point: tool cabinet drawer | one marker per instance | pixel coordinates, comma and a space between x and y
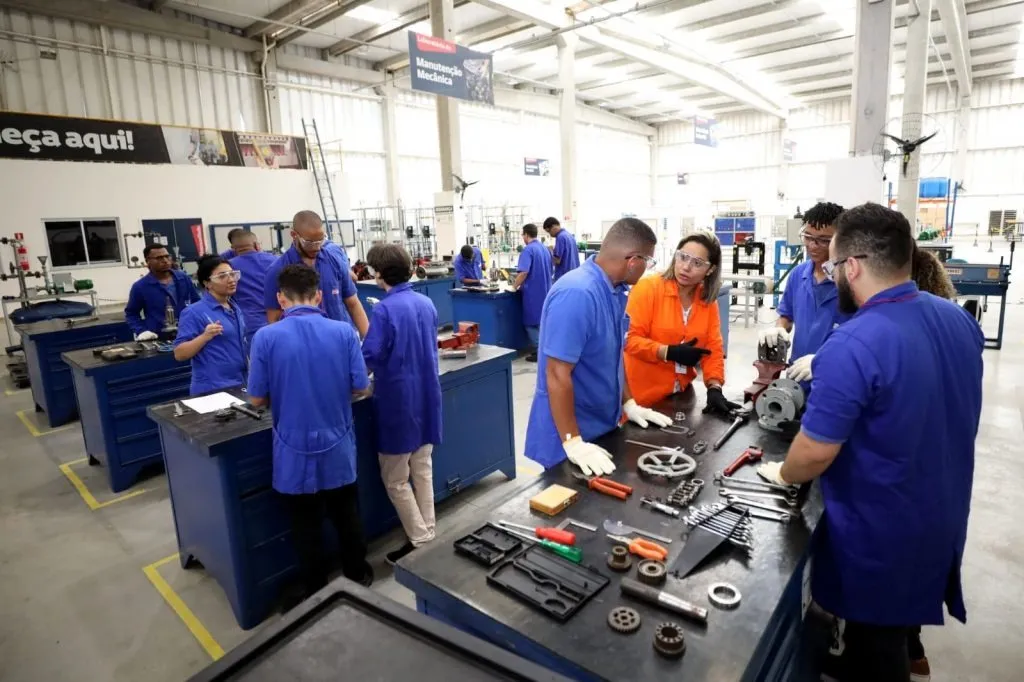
263, 517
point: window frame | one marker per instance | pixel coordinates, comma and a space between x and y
89, 265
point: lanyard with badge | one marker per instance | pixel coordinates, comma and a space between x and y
683, 369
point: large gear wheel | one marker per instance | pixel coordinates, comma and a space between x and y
624, 620
668, 640
619, 559
666, 463
651, 572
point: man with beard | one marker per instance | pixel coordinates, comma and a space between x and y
889, 427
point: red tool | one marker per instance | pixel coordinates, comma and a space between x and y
642, 548
750, 455
468, 335
562, 537
605, 486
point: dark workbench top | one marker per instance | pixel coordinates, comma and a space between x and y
85, 360
722, 650
57, 325
203, 430
458, 291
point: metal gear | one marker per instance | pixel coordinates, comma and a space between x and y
624, 620
668, 640
666, 463
619, 559
651, 572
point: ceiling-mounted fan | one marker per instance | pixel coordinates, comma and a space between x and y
890, 143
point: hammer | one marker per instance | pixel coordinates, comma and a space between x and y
751, 454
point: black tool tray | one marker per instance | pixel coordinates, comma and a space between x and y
552, 584
488, 545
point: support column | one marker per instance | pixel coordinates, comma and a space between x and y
390, 146
655, 165
963, 122
449, 218
915, 76
782, 187
872, 66
271, 95
567, 124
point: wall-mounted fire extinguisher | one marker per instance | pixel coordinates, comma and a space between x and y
22, 251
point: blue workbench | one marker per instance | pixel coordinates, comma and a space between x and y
435, 289
112, 400
45, 342
229, 519
499, 314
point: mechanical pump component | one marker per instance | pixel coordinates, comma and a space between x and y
666, 463
651, 572
668, 640
619, 559
624, 620
783, 401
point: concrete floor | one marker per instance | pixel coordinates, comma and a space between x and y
88, 579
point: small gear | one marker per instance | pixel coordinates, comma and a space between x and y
624, 620
668, 640
619, 559
651, 572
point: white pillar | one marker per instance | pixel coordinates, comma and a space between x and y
963, 122
390, 147
271, 95
567, 124
449, 218
872, 65
655, 164
915, 77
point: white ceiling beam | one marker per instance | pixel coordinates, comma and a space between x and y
340, 8
954, 20
295, 9
319, 67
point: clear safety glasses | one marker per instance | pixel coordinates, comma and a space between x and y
811, 240
231, 276
649, 261
684, 258
829, 266
312, 244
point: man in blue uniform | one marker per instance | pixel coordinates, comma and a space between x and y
581, 386
310, 397
809, 302
311, 247
467, 271
254, 265
564, 252
401, 352
534, 281
150, 296
889, 427
233, 236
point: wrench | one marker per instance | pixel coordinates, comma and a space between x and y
786, 490
730, 492
756, 505
751, 455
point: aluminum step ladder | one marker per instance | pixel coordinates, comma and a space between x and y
320, 175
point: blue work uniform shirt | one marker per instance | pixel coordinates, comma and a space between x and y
478, 257
147, 301
536, 261
899, 385
813, 307
584, 323
227, 255
335, 281
567, 252
400, 350
249, 296
308, 366
222, 361
466, 270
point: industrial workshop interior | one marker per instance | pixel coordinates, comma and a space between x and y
511, 340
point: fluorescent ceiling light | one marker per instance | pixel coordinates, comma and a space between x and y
371, 14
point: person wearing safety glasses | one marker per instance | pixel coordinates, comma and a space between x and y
809, 309
581, 382
311, 247
211, 331
674, 327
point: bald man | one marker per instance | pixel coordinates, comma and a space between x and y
310, 247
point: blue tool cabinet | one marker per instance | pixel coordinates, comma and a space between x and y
45, 342
228, 518
112, 400
434, 289
499, 314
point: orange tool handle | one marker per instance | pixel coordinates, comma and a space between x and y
628, 489
648, 550
562, 537
603, 487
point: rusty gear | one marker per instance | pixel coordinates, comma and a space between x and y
619, 559
624, 620
651, 572
668, 640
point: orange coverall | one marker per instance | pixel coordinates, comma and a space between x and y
655, 320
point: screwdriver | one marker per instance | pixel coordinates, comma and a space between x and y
573, 554
562, 537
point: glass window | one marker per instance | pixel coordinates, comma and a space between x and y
81, 243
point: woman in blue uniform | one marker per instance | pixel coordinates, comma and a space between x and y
211, 330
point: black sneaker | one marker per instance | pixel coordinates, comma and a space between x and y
532, 357
393, 557
367, 576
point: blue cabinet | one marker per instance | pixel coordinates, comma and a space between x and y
112, 400
499, 314
434, 289
45, 342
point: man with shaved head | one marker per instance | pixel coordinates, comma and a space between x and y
310, 247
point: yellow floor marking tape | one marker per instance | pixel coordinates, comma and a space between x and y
34, 430
179, 607
89, 499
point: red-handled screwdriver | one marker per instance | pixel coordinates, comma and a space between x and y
562, 537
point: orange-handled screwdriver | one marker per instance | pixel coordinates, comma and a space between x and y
562, 537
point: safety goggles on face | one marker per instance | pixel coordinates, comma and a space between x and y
829, 266
649, 261
312, 244
811, 240
684, 258
230, 276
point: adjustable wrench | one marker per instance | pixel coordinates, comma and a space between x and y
731, 492
756, 505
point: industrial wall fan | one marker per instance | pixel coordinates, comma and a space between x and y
892, 151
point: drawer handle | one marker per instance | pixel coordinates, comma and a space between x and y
453, 484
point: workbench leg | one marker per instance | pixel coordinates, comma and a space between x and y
93, 462
509, 470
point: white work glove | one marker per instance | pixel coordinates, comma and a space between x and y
772, 472
642, 415
771, 336
801, 369
146, 336
593, 460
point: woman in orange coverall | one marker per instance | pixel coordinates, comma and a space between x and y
674, 326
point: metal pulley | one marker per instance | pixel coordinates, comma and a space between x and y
783, 401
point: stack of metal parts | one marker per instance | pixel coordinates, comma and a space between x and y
685, 493
723, 519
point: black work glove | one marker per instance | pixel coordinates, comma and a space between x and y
718, 403
686, 353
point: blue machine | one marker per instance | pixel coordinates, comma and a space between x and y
975, 279
228, 518
112, 400
499, 314
787, 257
45, 342
735, 228
434, 289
